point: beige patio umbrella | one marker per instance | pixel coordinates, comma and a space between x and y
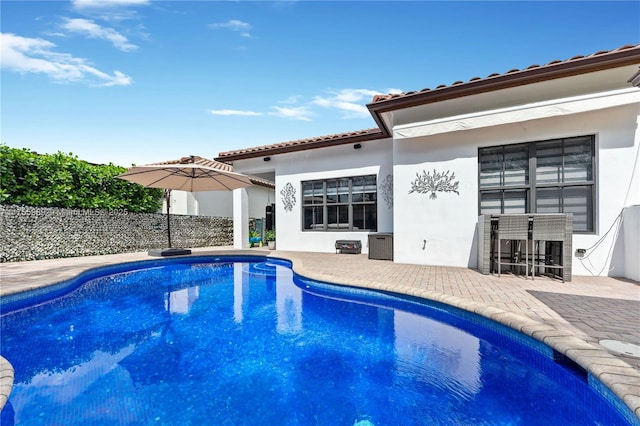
191, 174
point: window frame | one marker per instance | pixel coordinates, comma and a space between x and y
532, 186
327, 203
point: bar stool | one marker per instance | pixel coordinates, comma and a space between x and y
514, 228
548, 228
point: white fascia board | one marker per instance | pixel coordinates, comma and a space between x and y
520, 113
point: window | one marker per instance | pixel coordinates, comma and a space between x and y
555, 176
344, 204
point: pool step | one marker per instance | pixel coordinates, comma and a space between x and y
261, 268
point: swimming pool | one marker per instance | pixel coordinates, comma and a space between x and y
206, 340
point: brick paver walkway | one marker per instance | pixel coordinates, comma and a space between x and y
571, 317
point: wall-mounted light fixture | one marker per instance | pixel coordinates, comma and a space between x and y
357, 146
267, 158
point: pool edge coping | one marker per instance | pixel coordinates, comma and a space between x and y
6, 381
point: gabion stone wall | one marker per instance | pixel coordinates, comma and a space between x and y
31, 233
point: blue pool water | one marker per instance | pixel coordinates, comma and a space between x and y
242, 341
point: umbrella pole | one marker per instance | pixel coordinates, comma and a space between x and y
167, 196
169, 251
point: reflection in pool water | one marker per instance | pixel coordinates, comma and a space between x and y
246, 343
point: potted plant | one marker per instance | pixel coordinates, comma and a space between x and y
254, 237
270, 236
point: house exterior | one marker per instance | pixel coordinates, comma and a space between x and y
557, 138
220, 203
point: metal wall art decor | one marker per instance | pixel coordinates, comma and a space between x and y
431, 183
386, 187
288, 196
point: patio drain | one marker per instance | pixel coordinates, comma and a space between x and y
621, 348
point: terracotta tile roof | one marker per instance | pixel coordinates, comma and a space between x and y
262, 182
624, 53
200, 161
218, 165
302, 144
604, 59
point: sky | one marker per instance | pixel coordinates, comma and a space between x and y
141, 81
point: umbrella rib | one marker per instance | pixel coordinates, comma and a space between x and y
172, 172
213, 174
145, 172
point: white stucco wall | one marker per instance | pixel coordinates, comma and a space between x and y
618, 143
442, 231
181, 203
214, 203
436, 231
374, 157
240, 218
631, 242
220, 203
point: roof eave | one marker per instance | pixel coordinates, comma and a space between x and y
504, 81
262, 182
325, 143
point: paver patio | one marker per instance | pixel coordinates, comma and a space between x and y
571, 317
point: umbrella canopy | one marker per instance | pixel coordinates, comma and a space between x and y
190, 174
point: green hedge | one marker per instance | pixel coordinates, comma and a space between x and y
62, 180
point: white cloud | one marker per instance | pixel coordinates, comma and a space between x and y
298, 113
109, 10
295, 113
229, 112
118, 79
36, 55
392, 91
90, 29
294, 99
351, 102
234, 25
